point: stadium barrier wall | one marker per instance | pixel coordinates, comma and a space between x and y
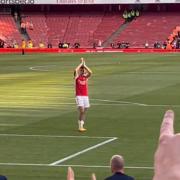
85, 50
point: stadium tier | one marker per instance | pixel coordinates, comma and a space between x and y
8, 30
57, 25
39, 32
149, 27
109, 24
88, 26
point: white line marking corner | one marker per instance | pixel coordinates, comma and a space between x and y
83, 151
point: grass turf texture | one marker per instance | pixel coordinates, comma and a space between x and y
129, 94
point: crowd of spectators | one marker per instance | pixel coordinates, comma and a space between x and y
129, 15
120, 45
68, 45
29, 44
63, 45
173, 41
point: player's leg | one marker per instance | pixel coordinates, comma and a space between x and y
80, 104
84, 109
81, 118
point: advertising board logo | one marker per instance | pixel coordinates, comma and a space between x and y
17, 1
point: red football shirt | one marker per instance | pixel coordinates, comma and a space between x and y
81, 86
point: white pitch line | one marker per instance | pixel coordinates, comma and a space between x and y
100, 104
145, 105
123, 102
5, 124
55, 136
35, 69
111, 102
160, 72
83, 151
40, 68
73, 165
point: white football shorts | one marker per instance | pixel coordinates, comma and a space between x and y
82, 101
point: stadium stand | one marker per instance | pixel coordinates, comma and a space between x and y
62, 27
110, 23
74, 28
8, 31
149, 27
57, 25
88, 25
40, 29
85, 28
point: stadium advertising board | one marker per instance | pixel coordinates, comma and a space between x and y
86, 1
17, 2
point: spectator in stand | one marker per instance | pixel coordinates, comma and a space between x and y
3, 177
30, 44
119, 45
1, 43
99, 43
23, 27
76, 45
94, 45
129, 16
16, 16
112, 45
41, 44
65, 45
178, 43
23, 44
146, 45
31, 26
137, 13
15, 45
164, 44
169, 46
125, 15
60, 45
157, 45
123, 45
132, 14
49, 45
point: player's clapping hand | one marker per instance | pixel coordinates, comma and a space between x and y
82, 61
167, 156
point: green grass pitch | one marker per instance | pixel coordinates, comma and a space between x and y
129, 94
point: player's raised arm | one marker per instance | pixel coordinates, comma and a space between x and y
88, 70
77, 69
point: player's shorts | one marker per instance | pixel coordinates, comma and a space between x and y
82, 101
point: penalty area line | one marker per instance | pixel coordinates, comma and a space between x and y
83, 151
55, 136
73, 165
